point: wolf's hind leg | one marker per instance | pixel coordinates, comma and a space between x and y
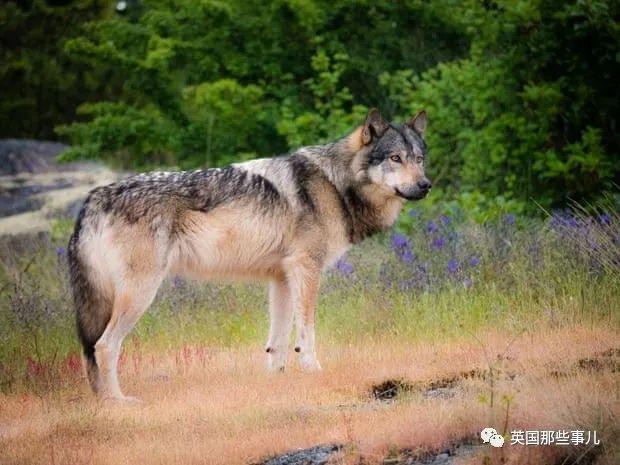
129, 304
281, 316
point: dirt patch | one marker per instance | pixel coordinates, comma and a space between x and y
443, 388
598, 364
607, 361
318, 455
391, 389
609, 353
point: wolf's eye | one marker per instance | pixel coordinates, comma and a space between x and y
419, 159
396, 158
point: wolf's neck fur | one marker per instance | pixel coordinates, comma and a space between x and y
341, 160
368, 208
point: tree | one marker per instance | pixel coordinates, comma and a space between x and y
205, 81
39, 86
532, 113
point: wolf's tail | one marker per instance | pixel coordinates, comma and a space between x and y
93, 309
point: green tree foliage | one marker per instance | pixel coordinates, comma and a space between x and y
532, 113
330, 114
206, 81
39, 86
521, 95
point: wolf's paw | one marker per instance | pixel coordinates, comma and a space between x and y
276, 359
130, 400
275, 368
279, 369
309, 364
123, 400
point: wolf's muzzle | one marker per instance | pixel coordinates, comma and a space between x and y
416, 191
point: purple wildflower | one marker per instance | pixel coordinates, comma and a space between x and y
509, 218
60, 252
453, 265
177, 281
604, 218
563, 219
438, 242
399, 241
407, 256
431, 226
445, 220
474, 261
344, 267
468, 283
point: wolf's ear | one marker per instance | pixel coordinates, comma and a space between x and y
374, 126
418, 122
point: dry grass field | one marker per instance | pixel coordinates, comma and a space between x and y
219, 406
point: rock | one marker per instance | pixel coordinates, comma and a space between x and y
21, 198
35, 189
318, 455
12, 205
441, 392
28, 156
73, 208
442, 458
445, 457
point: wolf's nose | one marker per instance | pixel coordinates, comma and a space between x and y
424, 184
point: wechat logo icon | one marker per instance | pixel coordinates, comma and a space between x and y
491, 436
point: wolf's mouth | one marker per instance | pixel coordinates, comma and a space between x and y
418, 195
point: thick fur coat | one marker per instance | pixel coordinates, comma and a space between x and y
282, 220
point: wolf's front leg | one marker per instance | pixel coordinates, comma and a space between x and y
304, 282
281, 314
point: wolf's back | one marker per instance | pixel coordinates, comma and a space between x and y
93, 309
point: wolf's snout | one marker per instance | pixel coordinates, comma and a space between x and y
416, 191
424, 185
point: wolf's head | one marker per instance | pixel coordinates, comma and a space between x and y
391, 156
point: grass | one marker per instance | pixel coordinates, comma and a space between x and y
519, 321
220, 407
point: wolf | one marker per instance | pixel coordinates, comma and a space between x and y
282, 220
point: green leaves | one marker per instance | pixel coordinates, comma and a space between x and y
332, 113
225, 115
122, 134
521, 95
213, 79
526, 116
